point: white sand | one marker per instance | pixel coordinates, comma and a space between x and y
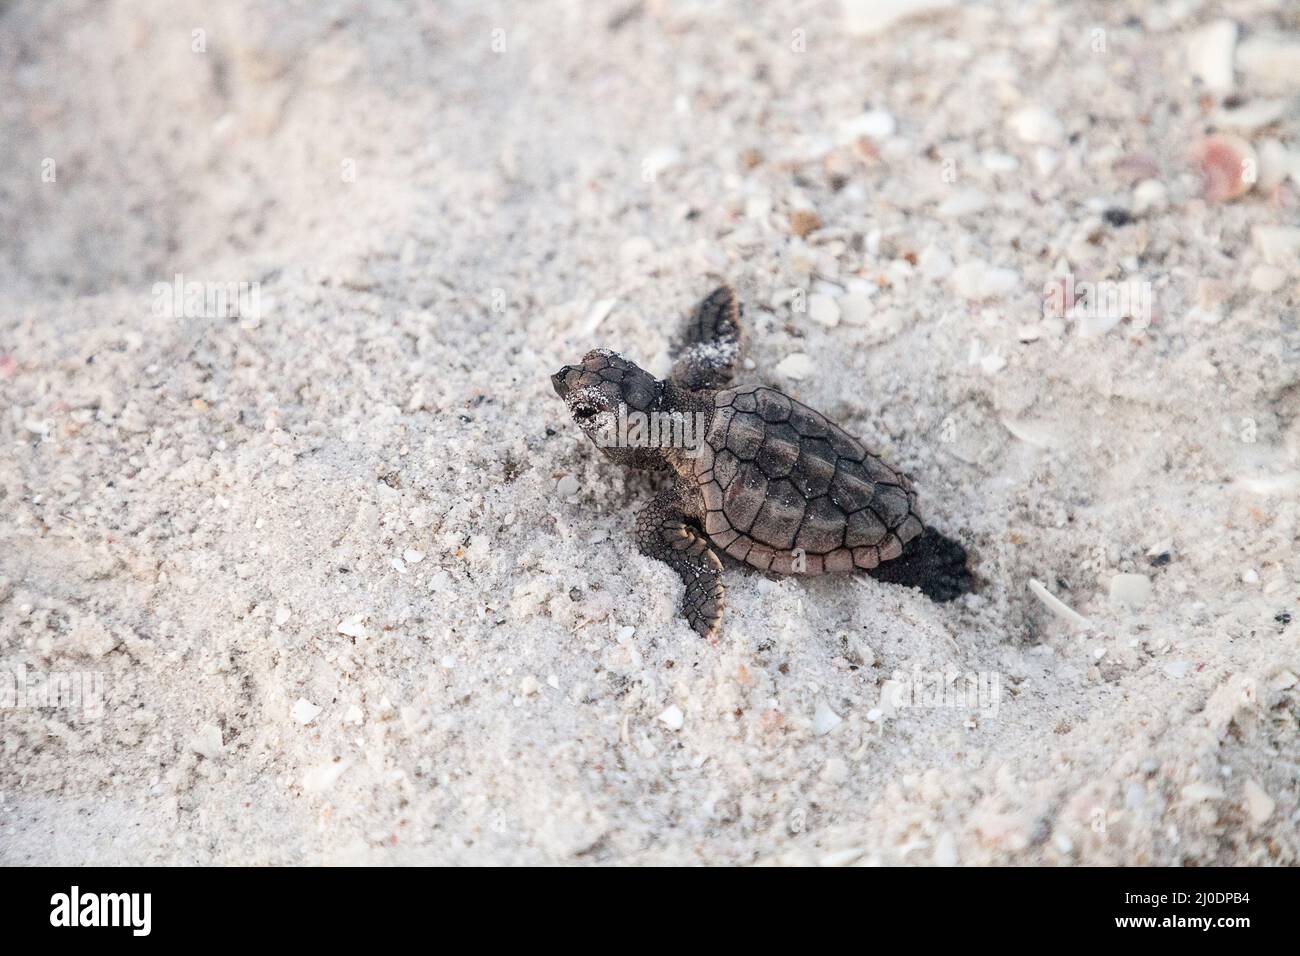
194, 505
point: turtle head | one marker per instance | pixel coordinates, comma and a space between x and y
601, 393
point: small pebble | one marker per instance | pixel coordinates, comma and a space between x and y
843, 857
1209, 54
855, 308
797, 366
672, 717
1134, 796
353, 626
945, 850
1093, 324
1150, 195
977, 281
835, 771
873, 17
964, 203
892, 695
1130, 590
1266, 278
1200, 792
1276, 165
1271, 61
304, 711
1251, 116
660, 160
999, 162
1132, 168
1037, 125
1259, 805
323, 776
935, 263
804, 221
567, 487
874, 124
992, 363
207, 742
823, 309
824, 719
1279, 245
1283, 680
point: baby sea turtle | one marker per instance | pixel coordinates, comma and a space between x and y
757, 475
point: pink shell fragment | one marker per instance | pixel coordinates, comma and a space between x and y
1229, 167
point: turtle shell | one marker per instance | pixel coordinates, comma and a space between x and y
788, 491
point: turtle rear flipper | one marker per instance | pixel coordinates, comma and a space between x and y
932, 562
708, 350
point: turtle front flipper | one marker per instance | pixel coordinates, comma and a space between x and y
663, 534
708, 350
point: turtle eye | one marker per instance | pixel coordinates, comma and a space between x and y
584, 412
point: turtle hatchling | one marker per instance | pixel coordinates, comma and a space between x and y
756, 475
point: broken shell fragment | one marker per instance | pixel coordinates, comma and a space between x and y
1229, 167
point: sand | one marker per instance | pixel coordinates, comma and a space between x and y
355, 590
